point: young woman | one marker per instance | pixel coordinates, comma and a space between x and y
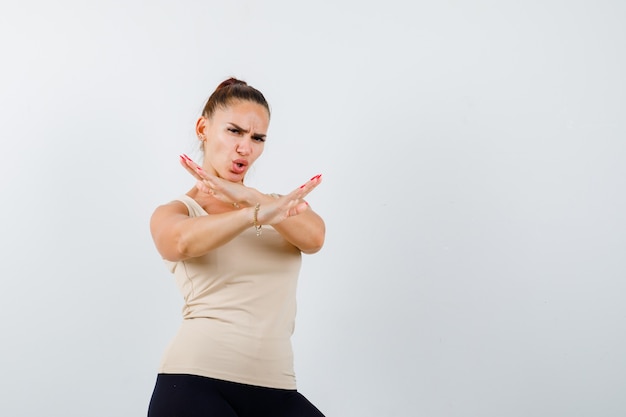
235, 253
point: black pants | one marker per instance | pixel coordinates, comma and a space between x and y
197, 396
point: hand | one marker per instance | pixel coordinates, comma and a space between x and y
288, 205
270, 212
226, 191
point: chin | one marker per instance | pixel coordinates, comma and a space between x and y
232, 177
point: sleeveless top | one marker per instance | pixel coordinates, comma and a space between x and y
239, 310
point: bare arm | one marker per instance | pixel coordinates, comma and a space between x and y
178, 236
290, 215
306, 231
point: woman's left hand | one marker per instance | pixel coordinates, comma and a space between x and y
224, 190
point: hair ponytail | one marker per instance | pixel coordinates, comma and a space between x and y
231, 90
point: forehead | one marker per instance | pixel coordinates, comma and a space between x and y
243, 110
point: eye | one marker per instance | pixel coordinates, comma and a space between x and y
233, 130
258, 138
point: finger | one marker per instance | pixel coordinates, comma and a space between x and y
302, 207
299, 193
198, 172
314, 180
299, 208
306, 188
196, 168
203, 187
207, 188
212, 179
190, 166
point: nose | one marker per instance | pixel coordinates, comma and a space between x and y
243, 147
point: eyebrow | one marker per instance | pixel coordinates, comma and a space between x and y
256, 135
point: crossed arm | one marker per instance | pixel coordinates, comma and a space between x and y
178, 236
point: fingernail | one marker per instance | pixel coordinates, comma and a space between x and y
315, 177
302, 186
186, 157
199, 168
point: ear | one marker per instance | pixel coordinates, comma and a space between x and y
201, 128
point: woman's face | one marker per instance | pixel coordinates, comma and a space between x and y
233, 138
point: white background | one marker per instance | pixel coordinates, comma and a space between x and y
473, 156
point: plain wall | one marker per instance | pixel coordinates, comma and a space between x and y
473, 158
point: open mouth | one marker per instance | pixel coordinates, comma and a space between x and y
239, 166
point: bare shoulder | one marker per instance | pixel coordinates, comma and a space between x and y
168, 211
164, 224
174, 206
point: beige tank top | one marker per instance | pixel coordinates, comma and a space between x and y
239, 310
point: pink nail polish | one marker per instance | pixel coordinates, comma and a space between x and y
186, 157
